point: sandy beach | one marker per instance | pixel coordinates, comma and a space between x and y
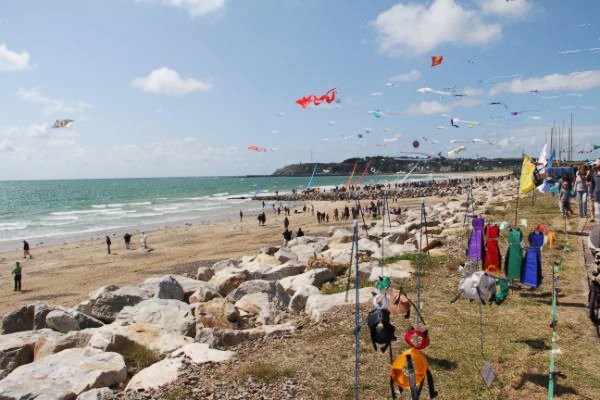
64, 274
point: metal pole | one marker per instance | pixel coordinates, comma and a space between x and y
419, 267
356, 317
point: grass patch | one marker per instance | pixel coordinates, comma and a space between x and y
176, 394
426, 260
265, 371
139, 357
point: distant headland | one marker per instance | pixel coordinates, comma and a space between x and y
399, 165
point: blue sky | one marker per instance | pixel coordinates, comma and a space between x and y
183, 87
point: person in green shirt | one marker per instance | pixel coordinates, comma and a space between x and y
17, 273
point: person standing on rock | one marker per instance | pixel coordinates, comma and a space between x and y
17, 273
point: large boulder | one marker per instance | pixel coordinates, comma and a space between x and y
253, 303
65, 320
341, 236
216, 313
298, 300
136, 338
284, 270
225, 281
204, 292
205, 272
200, 353
223, 265
284, 255
163, 287
47, 345
19, 320
169, 315
61, 321
253, 286
39, 315
318, 304
157, 374
315, 277
216, 337
64, 375
169, 289
266, 259
402, 269
18, 348
105, 303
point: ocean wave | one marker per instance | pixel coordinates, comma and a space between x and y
61, 218
201, 198
75, 212
144, 215
13, 226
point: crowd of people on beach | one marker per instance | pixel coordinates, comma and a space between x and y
584, 185
395, 191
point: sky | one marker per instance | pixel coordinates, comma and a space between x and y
162, 88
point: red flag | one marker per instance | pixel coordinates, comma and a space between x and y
436, 60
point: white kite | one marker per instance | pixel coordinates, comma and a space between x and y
482, 141
455, 141
430, 90
456, 151
62, 123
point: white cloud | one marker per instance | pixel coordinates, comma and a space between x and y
427, 108
167, 81
196, 8
415, 29
409, 76
584, 80
11, 60
506, 9
6, 145
52, 106
181, 153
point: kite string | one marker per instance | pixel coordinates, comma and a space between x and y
405, 177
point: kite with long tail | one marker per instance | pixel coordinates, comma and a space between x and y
329, 97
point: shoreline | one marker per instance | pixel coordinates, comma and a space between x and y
251, 207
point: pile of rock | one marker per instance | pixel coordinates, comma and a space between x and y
83, 352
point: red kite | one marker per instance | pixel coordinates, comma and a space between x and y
436, 60
256, 148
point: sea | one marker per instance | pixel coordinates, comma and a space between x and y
64, 211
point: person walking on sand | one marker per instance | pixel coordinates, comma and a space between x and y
17, 273
286, 223
108, 244
26, 249
127, 239
144, 240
